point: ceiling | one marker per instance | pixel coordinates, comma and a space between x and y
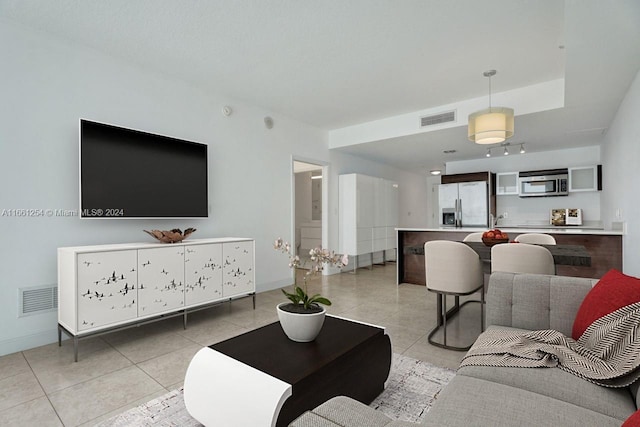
335, 63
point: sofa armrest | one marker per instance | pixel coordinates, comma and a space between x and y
535, 301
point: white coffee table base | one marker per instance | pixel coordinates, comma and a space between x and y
221, 391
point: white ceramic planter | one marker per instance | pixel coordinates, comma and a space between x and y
301, 327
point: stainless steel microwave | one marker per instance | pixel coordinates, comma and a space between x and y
543, 183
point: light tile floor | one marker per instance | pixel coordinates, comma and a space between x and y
117, 371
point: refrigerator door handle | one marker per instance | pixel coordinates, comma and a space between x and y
460, 210
455, 213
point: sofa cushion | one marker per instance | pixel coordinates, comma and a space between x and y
503, 406
613, 291
309, 419
535, 301
344, 411
558, 384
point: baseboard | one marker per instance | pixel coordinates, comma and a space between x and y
27, 342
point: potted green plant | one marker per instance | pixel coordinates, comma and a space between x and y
302, 318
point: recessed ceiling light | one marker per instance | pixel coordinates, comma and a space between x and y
435, 172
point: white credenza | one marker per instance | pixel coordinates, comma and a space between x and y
101, 288
368, 214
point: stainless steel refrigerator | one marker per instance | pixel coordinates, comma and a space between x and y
464, 204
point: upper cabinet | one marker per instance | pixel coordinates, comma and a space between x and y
507, 183
585, 178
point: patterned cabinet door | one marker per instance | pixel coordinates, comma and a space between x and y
107, 286
238, 275
203, 273
160, 279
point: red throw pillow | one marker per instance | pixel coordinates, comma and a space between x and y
613, 291
633, 420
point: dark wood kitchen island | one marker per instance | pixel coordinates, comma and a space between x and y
604, 247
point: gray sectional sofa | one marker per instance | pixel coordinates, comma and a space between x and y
492, 396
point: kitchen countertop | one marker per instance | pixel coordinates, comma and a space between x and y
520, 230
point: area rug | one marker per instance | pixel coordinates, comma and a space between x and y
412, 388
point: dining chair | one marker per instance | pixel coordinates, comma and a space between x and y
535, 238
473, 237
522, 258
452, 268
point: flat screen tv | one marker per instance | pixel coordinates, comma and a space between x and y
127, 173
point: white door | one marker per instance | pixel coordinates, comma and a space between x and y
107, 283
473, 204
202, 273
160, 279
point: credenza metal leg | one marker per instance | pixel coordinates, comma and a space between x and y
59, 336
75, 349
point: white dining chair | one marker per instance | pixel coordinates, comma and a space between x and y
452, 268
522, 258
473, 237
536, 239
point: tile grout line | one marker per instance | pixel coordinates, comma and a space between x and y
46, 395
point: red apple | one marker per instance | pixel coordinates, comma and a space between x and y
490, 234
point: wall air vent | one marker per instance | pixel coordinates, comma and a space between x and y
37, 300
436, 119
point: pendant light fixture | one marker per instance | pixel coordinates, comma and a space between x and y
491, 125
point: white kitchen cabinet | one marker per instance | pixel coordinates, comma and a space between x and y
584, 178
160, 279
107, 287
356, 214
368, 214
507, 184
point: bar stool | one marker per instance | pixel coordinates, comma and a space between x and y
452, 268
522, 258
536, 239
473, 237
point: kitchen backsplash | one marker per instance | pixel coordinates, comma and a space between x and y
535, 210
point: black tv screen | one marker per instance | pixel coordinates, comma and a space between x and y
126, 173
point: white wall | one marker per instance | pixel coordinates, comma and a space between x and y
620, 158
523, 211
48, 84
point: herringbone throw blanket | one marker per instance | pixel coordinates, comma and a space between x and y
607, 354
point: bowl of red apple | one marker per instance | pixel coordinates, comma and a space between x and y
493, 237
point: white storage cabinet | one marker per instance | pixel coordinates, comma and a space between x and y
107, 287
584, 178
368, 215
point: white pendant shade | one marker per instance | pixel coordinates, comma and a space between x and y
491, 126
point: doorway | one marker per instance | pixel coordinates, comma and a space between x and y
309, 205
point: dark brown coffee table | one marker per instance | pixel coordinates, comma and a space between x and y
348, 358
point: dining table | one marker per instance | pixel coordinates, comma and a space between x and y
576, 255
